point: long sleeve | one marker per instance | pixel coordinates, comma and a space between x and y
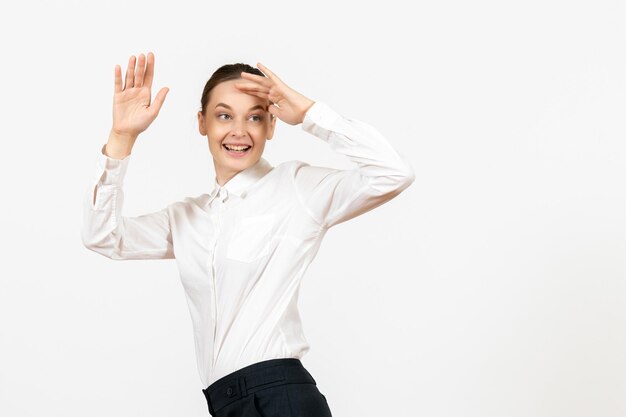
332, 196
106, 231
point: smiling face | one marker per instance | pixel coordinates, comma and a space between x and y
232, 118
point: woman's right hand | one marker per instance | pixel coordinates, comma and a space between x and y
132, 110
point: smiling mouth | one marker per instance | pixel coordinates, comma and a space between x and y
237, 149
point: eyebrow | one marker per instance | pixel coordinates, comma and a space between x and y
258, 106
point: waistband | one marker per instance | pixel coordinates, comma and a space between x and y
255, 377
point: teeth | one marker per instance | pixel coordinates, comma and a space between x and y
236, 148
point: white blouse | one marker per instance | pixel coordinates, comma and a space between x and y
243, 249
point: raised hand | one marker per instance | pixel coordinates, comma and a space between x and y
132, 110
287, 104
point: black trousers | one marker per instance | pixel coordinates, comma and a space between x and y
271, 388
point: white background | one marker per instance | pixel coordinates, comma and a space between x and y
493, 286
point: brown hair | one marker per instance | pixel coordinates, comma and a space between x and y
225, 73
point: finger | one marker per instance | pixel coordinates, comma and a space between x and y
269, 73
258, 78
275, 110
118, 79
159, 99
147, 81
140, 70
258, 94
252, 87
130, 80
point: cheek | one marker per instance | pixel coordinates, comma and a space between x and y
215, 127
262, 132
216, 134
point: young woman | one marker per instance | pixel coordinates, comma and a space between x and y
243, 248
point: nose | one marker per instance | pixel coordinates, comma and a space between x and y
239, 128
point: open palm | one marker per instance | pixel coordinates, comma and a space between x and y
132, 110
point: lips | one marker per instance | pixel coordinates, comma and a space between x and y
235, 153
237, 144
236, 147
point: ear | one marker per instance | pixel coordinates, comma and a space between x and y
270, 132
201, 125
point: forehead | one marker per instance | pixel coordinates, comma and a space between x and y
226, 92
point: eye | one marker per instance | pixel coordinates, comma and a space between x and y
258, 118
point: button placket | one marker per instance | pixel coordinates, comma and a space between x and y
218, 200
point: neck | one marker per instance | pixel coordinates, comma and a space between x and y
223, 175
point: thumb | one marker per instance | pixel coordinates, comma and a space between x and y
275, 110
159, 99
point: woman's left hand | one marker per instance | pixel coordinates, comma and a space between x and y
286, 103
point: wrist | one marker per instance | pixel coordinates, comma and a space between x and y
122, 136
119, 145
309, 104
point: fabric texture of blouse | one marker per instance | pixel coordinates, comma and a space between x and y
242, 250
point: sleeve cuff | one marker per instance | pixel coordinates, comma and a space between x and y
320, 120
113, 170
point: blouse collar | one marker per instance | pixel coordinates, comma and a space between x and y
239, 184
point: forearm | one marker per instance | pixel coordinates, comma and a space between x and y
376, 159
332, 196
106, 231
